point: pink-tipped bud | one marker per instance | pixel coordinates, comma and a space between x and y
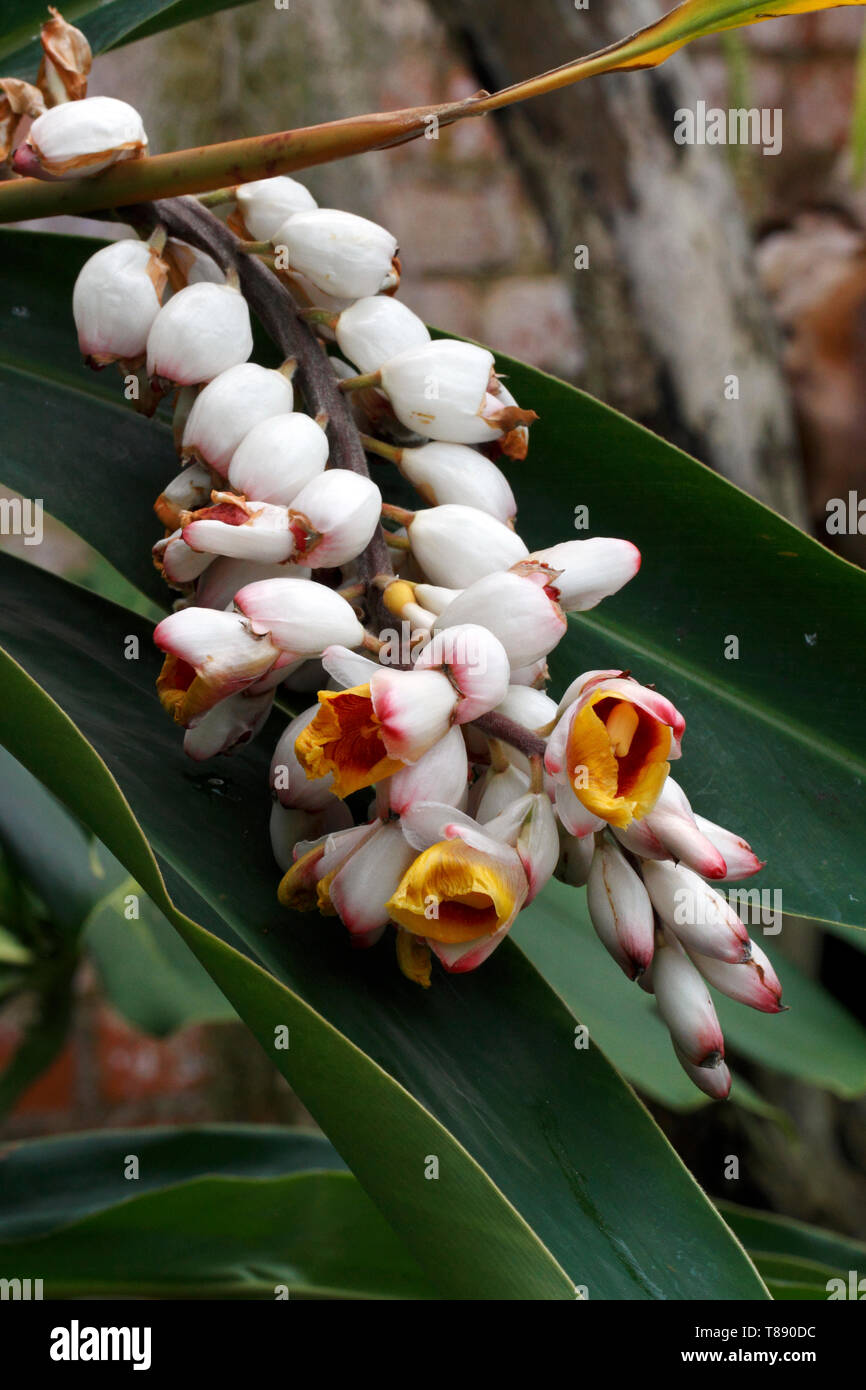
367, 879
739, 856
685, 1005
755, 982
697, 914
620, 909
476, 664
671, 821
589, 571
714, 1081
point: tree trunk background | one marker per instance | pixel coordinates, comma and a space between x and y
670, 305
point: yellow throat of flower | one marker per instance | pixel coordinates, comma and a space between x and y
617, 758
345, 738
453, 893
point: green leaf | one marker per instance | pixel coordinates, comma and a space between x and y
785, 1238
536, 1140
47, 847
772, 749
148, 973
107, 24
215, 1212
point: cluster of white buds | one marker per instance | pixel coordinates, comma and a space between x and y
434, 787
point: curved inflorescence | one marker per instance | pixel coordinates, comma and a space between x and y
433, 786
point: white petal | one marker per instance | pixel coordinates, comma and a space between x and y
228, 408
456, 545
304, 618
203, 330
278, 457
265, 204
377, 327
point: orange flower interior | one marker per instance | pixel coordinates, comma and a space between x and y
617, 758
345, 738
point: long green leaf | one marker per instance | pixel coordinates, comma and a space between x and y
215, 1211
536, 1139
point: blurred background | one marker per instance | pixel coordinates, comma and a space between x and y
703, 262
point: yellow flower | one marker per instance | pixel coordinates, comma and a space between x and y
455, 893
616, 757
345, 738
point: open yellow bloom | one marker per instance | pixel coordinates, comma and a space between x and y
616, 757
455, 893
345, 738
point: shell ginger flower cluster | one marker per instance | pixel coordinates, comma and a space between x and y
430, 785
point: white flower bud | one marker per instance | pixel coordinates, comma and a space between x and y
288, 779
278, 458
229, 407
456, 545
697, 914
620, 909
496, 790
202, 331
444, 473
80, 138
439, 390
532, 708
116, 298
302, 617
589, 571
517, 607
369, 876
241, 530
179, 563
333, 518
377, 327
221, 652
441, 775
266, 204
342, 254
685, 1005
